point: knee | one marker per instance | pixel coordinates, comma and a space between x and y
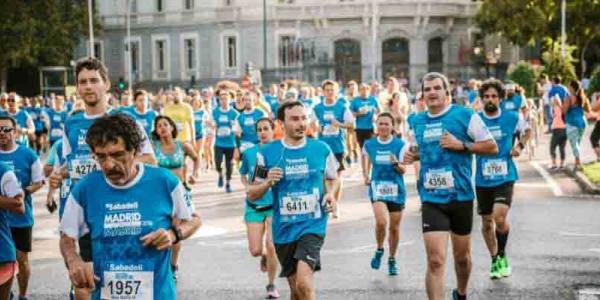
394, 230
487, 224
380, 224
500, 220
303, 287
463, 260
435, 263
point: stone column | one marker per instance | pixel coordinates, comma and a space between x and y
418, 60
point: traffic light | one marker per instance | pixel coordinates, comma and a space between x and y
121, 86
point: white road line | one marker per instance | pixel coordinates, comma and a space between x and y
594, 250
551, 182
361, 249
577, 234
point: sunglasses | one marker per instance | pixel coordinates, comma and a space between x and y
6, 129
11, 100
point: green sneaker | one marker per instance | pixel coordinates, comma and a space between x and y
504, 268
494, 270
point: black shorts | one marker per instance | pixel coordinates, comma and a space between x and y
306, 249
391, 206
38, 133
340, 159
488, 196
22, 238
456, 217
85, 247
362, 135
595, 136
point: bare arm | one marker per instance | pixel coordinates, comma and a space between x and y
189, 151
13, 204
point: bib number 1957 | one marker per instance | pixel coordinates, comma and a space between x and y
128, 285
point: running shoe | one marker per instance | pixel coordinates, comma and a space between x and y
227, 188
175, 273
220, 183
457, 296
494, 272
392, 269
376, 261
504, 268
272, 292
348, 160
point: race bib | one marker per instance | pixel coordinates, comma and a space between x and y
82, 166
128, 285
223, 118
509, 105
495, 168
56, 132
249, 122
439, 179
328, 116
65, 188
384, 190
223, 131
331, 130
299, 204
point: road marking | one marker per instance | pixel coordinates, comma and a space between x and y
551, 182
208, 231
361, 249
576, 234
594, 250
532, 185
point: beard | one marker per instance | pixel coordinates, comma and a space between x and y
490, 107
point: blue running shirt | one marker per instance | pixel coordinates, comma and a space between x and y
247, 168
494, 170
225, 121
298, 206
368, 105
9, 187
116, 218
333, 136
386, 183
445, 175
247, 121
27, 167
57, 123
145, 120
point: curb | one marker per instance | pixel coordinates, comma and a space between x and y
583, 181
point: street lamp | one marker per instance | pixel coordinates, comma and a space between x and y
491, 56
91, 27
128, 45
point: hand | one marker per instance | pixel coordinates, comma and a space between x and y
274, 175
55, 180
329, 202
192, 179
448, 141
161, 239
516, 151
393, 159
51, 205
367, 180
82, 274
335, 123
410, 157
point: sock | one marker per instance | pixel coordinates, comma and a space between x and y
494, 257
502, 240
460, 297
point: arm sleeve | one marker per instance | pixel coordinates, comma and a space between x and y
522, 125
348, 116
73, 222
180, 208
405, 148
10, 184
37, 175
477, 129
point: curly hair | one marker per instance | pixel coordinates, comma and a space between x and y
174, 131
492, 84
109, 128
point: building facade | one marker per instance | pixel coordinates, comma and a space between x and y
180, 41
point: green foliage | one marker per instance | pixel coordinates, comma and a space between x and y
594, 81
555, 64
524, 74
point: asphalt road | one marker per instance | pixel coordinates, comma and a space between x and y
554, 247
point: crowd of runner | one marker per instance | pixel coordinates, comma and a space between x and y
118, 172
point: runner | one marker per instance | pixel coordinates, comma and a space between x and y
170, 154
301, 174
25, 127
11, 202
334, 119
141, 112
575, 108
209, 131
350, 93
28, 169
365, 108
200, 117
130, 259
386, 187
225, 121
247, 121
258, 214
92, 84
446, 137
57, 116
183, 116
37, 111
496, 174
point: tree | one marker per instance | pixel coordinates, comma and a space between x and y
594, 82
526, 22
555, 64
524, 74
39, 32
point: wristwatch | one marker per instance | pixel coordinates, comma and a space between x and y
467, 146
178, 234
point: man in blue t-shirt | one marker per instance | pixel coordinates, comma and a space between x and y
301, 174
496, 174
11, 201
134, 214
446, 137
28, 169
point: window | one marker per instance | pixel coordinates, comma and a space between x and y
160, 56
230, 52
228, 2
288, 51
159, 6
98, 50
435, 54
188, 4
135, 56
189, 54
134, 7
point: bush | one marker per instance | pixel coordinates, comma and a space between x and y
524, 74
555, 64
594, 81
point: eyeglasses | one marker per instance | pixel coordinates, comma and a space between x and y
11, 100
6, 129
